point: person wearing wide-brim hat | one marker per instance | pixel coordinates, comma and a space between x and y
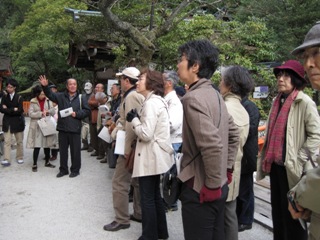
307, 192
292, 126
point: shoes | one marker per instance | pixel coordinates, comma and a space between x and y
20, 161
133, 218
90, 149
84, 148
100, 157
94, 154
61, 174
49, 165
104, 160
243, 227
73, 174
34, 168
53, 158
114, 226
171, 208
5, 163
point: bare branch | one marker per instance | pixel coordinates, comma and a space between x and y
165, 28
125, 27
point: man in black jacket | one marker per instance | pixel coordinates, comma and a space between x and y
69, 124
13, 122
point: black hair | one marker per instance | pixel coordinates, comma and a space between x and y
296, 81
12, 82
203, 53
131, 80
238, 79
36, 90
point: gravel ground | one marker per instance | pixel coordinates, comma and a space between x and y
38, 206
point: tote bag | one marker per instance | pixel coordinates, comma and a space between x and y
47, 126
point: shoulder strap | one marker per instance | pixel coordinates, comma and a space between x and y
80, 99
219, 108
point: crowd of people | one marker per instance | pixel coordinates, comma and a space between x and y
216, 132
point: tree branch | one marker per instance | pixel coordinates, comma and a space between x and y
141, 40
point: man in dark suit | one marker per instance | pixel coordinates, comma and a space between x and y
13, 122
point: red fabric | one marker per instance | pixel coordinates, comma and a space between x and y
209, 195
277, 126
41, 103
229, 175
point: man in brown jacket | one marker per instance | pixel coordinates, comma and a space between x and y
210, 142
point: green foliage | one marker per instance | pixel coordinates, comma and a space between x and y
40, 43
244, 44
290, 19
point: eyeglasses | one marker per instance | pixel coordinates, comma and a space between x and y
282, 74
309, 53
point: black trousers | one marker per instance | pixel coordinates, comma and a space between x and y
154, 221
284, 226
74, 141
202, 221
94, 140
245, 199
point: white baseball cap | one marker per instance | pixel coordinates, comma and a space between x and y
130, 72
87, 86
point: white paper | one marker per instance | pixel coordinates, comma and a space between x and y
103, 109
119, 148
105, 135
66, 112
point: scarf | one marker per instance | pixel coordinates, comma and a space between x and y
277, 127
41, 103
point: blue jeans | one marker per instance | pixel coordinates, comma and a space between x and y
154, 221
176, 147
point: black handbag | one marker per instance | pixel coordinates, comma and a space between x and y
171, 186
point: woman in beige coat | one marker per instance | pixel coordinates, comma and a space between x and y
153, 155
292, 127
235, 84
40, 107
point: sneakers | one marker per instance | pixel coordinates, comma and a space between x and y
5, 163
20, 161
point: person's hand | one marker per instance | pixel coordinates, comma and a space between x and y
302, 212
4, 106
209, 195
111, 127
15, 109
229, 175
74, 114
43, 80
131, 115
